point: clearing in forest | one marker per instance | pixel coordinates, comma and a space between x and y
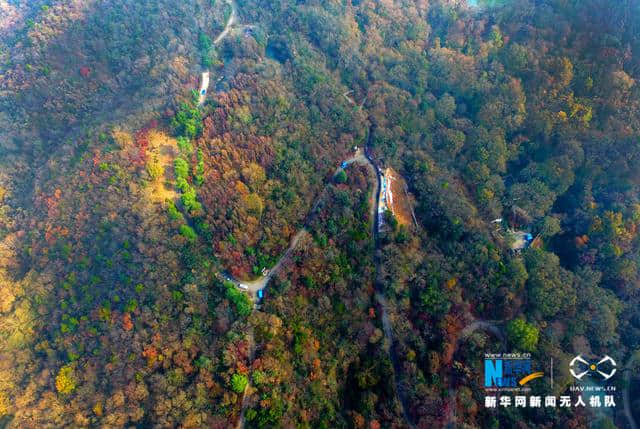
162, 151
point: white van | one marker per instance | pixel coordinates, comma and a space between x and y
243, 286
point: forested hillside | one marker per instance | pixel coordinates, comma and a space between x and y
131, 214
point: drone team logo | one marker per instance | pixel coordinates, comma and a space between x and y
603, 369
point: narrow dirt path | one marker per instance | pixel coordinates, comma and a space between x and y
484, 325
388, 334
247, 390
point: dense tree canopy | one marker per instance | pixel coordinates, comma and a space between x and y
130, 212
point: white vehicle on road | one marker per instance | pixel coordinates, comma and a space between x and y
204, 85
243, 286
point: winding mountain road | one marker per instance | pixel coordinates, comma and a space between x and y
253, 286
204, 80
230, 22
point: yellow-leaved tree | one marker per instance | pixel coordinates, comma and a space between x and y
66, 381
